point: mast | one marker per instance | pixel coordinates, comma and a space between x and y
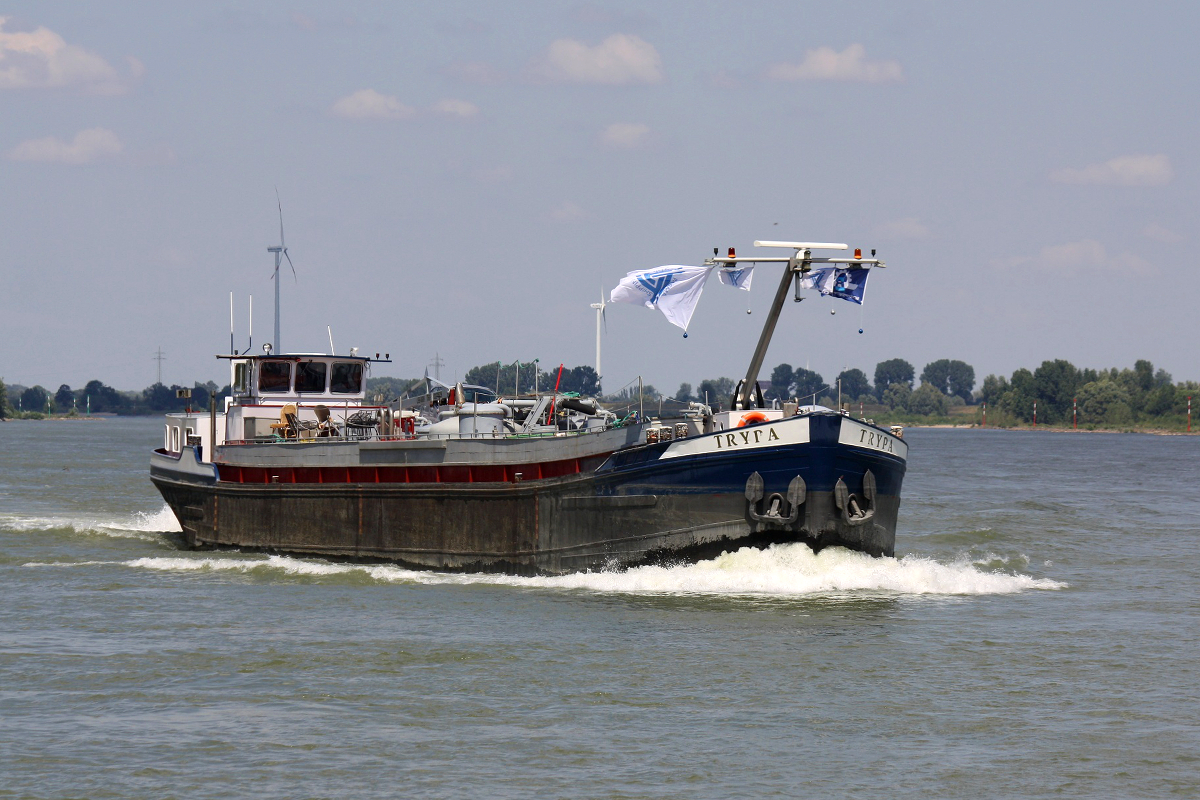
598, 342
599, 320
281, 252
796, 266
278, 251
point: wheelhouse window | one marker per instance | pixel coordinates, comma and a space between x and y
310, 376
274, 376
241, 377
478, 394
347, 377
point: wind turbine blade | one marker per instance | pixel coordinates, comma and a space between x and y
280, 205
290, 264
604, 318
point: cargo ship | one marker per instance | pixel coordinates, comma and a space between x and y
459, 477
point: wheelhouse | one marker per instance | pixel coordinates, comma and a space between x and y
271, 392
280, 379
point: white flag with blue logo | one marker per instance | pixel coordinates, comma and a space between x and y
844, 284
737, 277
674, 290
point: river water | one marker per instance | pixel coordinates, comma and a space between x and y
1037, 636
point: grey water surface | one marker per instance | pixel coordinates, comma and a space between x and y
1037, 636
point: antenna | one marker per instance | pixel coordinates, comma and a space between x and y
250, 343
329, 330
232, 349
159, 356
281, 253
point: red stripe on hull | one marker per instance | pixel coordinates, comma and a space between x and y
442, 473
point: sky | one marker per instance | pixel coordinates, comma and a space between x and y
465, 178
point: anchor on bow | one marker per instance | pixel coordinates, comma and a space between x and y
781, 512
856, 510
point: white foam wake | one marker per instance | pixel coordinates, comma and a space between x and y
783, 571
161, 521
136, 525
793, 570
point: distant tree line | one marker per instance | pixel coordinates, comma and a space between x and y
943, 383
1106, 397
99, 398
521, 377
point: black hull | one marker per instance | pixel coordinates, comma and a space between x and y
637, 508
523, 530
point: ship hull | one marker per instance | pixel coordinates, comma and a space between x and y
674, 501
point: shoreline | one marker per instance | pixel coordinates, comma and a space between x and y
1051, 429
66, 419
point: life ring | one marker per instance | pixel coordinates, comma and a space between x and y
751, 418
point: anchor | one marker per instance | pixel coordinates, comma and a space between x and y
774, 516
856, 510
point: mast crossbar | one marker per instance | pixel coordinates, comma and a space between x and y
865, 262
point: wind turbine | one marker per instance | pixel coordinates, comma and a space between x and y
600, 319
280, 254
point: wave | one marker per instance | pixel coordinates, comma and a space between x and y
161, 521
791, 570
137, 525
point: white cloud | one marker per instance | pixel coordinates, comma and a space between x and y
826, 64
1085, 256
568, 212
1160, 233
621, 59
370, 104
41, 59
625, 134
93, 144
905, 228
1136, 170
460, 109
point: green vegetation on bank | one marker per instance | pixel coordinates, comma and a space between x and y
1063, 395
1141, 398
520, 377
37, 402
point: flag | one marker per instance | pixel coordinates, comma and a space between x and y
673, 290
844, 284
737, 277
